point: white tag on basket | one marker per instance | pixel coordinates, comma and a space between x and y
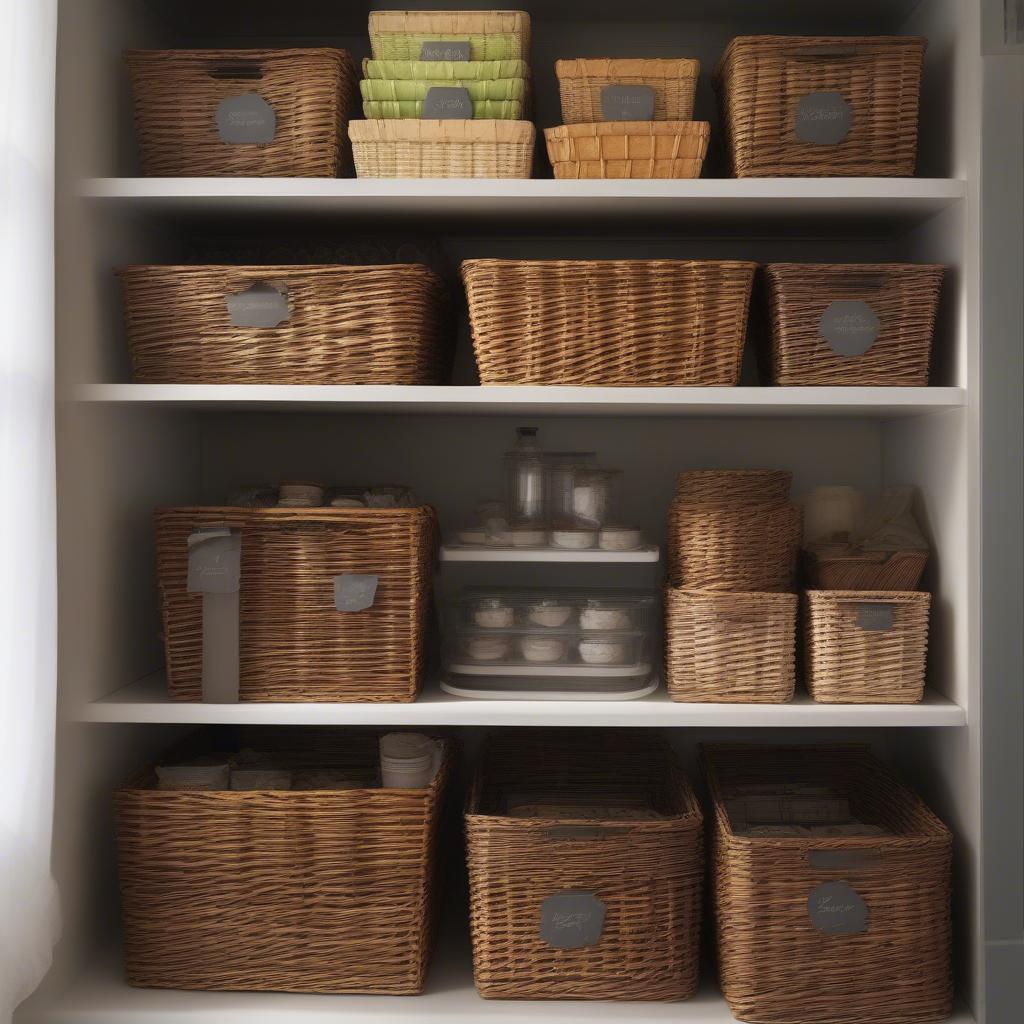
823, 118
836, 909
246, 120
571, 919
260, 305
850, 326
876, 617
448, 103
627, 103
354, 592
445, 49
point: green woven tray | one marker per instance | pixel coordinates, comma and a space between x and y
494, 110
408, 45
445, 70
500, 89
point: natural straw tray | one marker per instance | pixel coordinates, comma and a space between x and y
628, 149
503, 110
492, 35
581, 81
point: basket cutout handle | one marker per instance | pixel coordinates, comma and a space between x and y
585, 833
850, 859
237, 70
262, 304
819, 51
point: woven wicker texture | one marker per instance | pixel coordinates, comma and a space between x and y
398, 90
346, 325
442, 149
628, 149
867, 570
672, 81
775, 967
647, 873
177, 93
445, 70
735, 486
608, 322
729, 648
293, 643
297, 891
483, 110
866, 647
493, 35
761, 81
903, 297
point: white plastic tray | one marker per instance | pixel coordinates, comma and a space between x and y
547, 688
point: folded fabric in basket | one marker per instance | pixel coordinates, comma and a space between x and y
491, 110
405, 91
253, 778
789, 810
445, 70
210, 772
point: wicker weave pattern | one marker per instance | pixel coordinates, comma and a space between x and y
293, 644
608, 322
581, 81
775, 967
869, 570
494, 35
649, 874
734, 486
729, 648
761, 79
176, 98
850, 664
628, 149
903, 296
346, 325
297, 891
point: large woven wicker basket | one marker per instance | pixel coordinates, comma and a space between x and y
492, 35
775, 965
608, 322
180, 93
342, 324
845, 105
442, 149
866, 647
852, 324
645, 876
628, 149
581, 83
729, 648
294, 644
319, 890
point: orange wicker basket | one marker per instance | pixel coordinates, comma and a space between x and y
628, 149
671, 82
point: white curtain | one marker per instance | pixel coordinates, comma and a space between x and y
28, 588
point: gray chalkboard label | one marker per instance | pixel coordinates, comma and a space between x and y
823, 118
354, 592
444, 49
449, 103
260, 305
214, 561
850, 326
876, 617
246, 120
627, 103
571, 919
836, 909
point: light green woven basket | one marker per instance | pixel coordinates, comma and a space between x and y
494, 110
499, 89
409, 45
445, 70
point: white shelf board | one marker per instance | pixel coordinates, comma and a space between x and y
483, 553
146, 702
882, 403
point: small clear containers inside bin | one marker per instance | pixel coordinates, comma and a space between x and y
609, 610
624, 652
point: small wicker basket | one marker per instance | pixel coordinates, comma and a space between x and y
492, 35
628, 149
827, 568
581, 83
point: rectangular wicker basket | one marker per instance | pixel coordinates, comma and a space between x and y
852, 325
608, 322
821, 105
294, 645
179, 95
864, 570
492, 35
343, 325
886, 956
640, 880
581, 83
628, 149
314, 890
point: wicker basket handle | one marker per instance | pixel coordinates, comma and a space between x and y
817, 51
585, 833
863, 279
246, 70
831, 859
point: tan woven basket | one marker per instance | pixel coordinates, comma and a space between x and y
843, 105
178, 94
582, 81
775, 965
734, 486
608, 322
866, 647
628, 149
292, 890
493, 35
343, 325
865, 570
855, 325
729, 648
646, 874
294, 645
442, 149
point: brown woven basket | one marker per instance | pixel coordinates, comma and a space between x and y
866, 647
628, 149
294, 645
178, 94
865, 570
775, 965
729, 648
291, 890
608, 322
852, 324
442, 149
734, 486
493, 35
843, 105
647, 874
343, 325
582, 81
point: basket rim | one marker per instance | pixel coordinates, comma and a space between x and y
630, 67
716, 596
202, 54
810, 267
487, 131
640, 264
268, 268
595, 129
822, 595
317, 513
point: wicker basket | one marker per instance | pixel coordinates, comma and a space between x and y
734, 486
645, 874
628, 149
608, 322
582, 82
343, 324
828, 569
442, 149
294, 890
775, 965
180, 93
820, 106
854, 325
439, 72
398, 90
492, 35
729, 648
294, 645
866, 647
483, 110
